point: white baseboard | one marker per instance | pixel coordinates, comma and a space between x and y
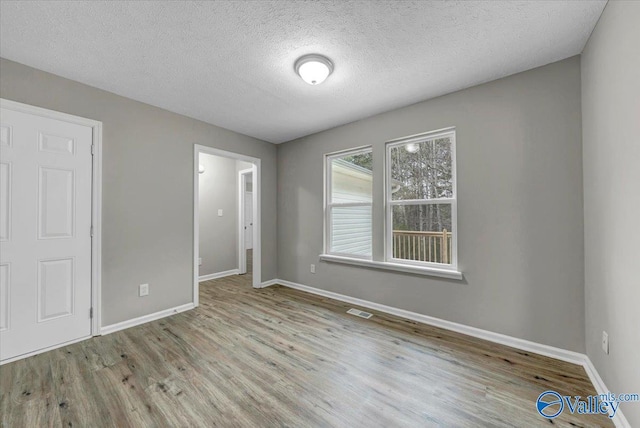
619, 419
269, 283
594, 376
110, 329
525, 345
145, 319
218, 275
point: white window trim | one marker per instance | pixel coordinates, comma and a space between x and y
328, 205
397, 267
389, 203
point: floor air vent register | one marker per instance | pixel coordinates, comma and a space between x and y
359, 313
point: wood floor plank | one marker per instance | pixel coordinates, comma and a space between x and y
282, 357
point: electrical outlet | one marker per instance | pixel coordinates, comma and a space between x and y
219, 213
143, 290
313, 268
605, 342
199, 261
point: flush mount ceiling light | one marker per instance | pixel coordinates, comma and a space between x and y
314, 68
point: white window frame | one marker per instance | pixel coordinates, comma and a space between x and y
390, 203
328, 204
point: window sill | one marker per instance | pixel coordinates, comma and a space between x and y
418, 270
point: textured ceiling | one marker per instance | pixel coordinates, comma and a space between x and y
230, 63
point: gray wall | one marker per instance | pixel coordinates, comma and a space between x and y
611, 141
520, 208
218, 235
147, 188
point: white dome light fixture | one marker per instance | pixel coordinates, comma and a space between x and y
313, 68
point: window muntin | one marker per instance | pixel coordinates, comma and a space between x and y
349, 190
421, 200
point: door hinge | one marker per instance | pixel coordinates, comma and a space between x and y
90, 312
93, 149
91, 231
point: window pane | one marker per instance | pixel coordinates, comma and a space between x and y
422, 170
422, 233
351, 230
351, 178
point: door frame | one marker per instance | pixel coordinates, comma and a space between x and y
257, 253
242, 251
96, 208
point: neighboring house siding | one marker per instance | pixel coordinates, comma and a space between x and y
351, 232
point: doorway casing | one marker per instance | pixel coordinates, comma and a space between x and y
257, 256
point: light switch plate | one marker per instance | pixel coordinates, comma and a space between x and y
219, 213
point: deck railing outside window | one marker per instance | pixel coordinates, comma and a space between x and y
432, 247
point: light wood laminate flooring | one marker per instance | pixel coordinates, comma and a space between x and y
281, 357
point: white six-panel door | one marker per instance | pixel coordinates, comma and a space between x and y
45, 232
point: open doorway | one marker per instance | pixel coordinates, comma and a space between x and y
226, 216
245, 221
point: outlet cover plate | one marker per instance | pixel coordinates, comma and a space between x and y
605, 342
143, 290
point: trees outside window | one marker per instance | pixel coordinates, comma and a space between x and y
421, 200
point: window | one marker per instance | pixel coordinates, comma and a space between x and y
349, 203
415, 228
421, 200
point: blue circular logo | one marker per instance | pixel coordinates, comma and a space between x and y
550, 404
